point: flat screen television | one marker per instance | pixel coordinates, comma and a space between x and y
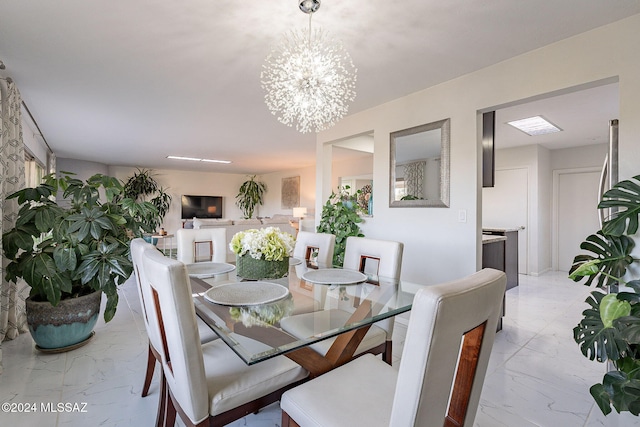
201, 207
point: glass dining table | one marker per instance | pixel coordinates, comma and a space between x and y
249, 316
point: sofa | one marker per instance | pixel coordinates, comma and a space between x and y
235, 225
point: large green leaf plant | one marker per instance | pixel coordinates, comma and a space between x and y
610, 328
341, 217
142, 186
77, 246
250, 194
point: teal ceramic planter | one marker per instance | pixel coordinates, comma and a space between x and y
69, 323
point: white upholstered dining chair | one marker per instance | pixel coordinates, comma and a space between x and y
138, 247
319, 246
444, 362
208, 384
194, 244
380, 257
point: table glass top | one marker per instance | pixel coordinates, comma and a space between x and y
254, 332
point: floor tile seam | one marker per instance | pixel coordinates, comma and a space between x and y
133, 314
547, 385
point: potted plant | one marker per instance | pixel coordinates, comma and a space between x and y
250, 195
141, 187
71, 252
610, 329
262, 253
340, 217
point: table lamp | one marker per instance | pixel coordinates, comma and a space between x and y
299, 213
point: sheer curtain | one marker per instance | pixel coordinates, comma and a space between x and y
13, 319
414, 178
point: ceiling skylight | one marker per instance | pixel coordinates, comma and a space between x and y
195, 159
536, 125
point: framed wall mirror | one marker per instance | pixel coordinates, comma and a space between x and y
419, 167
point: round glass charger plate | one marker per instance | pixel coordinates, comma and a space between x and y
204, 270
334, 276
246, 293
294, 261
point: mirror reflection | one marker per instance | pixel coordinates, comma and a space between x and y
352, 169
419, 175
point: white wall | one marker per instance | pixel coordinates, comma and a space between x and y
581, 157
543, 258
83, 169
179, 183
437, 246
273, 197
357, 166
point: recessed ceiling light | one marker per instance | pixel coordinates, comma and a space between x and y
536, 125
194, 159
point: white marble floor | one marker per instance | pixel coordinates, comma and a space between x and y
537, 375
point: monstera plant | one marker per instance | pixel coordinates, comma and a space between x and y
610, 329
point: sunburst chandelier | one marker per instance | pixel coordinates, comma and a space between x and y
309, 78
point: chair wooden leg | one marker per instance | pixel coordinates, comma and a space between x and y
387, 355
170, 411
287, 421
151, 364
162, 401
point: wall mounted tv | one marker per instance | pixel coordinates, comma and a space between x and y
201, 207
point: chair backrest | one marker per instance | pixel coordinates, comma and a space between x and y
180, 349
360, 252
194, 243
455, 318
307, 242
138, 247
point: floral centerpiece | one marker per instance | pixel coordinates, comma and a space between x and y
262, 253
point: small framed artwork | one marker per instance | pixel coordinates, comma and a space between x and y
290, 192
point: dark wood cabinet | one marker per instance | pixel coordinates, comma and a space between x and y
508, 253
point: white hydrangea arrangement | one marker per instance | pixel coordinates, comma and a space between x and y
268, 243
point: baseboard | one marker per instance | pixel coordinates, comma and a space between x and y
540, 273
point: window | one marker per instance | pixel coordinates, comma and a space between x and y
33, 170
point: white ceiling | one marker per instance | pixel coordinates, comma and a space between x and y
128, 83
582, 115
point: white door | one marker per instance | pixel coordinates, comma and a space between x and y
576, 202
506, 205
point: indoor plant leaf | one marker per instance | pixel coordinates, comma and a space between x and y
611, 257
16, 239
602, 398
250, 195
611, 309
340, 219
624, 196
65, 257
59, 249
595, 339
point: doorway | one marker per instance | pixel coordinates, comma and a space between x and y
575, 198
583, 114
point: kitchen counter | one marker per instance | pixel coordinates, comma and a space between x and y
507, 256
500, 230
493, 256
491, 238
